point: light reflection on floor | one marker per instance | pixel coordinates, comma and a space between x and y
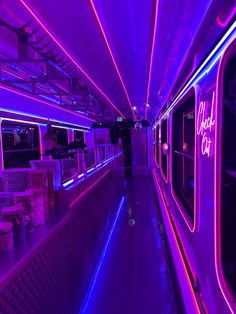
135, 276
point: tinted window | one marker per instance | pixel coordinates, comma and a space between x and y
164, 140
20, 144
157, 145
61, 136
183, 154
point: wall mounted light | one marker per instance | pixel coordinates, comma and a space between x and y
166, 149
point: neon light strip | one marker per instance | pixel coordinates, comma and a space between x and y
80, 175
43, 102
151, 57
91, 169
69, 56
101, 259
68, 182
89, 188
223, 43
185, 283
112, 56
66, 128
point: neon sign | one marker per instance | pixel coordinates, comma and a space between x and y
205, 126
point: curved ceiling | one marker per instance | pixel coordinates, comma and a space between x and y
132, 50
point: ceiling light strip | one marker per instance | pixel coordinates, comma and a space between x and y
112, 56
151, 58
69, 56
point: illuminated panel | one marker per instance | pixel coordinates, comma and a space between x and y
188, 294
69, 56
112, 57
151, 58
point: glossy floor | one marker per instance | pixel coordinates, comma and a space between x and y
136, 275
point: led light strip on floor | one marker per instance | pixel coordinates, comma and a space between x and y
101, 259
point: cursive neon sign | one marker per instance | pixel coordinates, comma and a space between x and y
205, 126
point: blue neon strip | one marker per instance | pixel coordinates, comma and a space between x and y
68, 182
80, 175
94, 169
91, 169
98, 268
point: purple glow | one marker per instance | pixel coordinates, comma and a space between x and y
205, 124
112, 56
69, 56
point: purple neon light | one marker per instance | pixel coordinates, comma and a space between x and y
112, 56
151, 57
76, 63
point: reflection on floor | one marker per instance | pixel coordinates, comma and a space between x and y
135, 276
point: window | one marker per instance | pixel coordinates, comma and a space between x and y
61, 136
163, 141
79, 135
157, 144
228, 184
20, 144
183, 139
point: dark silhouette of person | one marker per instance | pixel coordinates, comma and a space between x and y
24, 151
58, 151
78, 143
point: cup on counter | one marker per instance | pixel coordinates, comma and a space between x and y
16, 217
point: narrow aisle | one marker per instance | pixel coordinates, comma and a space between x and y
136, 276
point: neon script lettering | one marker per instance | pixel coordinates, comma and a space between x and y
205, 124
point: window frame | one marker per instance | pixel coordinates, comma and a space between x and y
165, 177
229, 295
191, 223
25, 124
157, 145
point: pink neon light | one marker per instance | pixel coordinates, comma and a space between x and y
112, 56
193, 227
70, 57
227, 20
173, 236
205, 125
161, 153
42, 101
151, 58
89, 188
217, 193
